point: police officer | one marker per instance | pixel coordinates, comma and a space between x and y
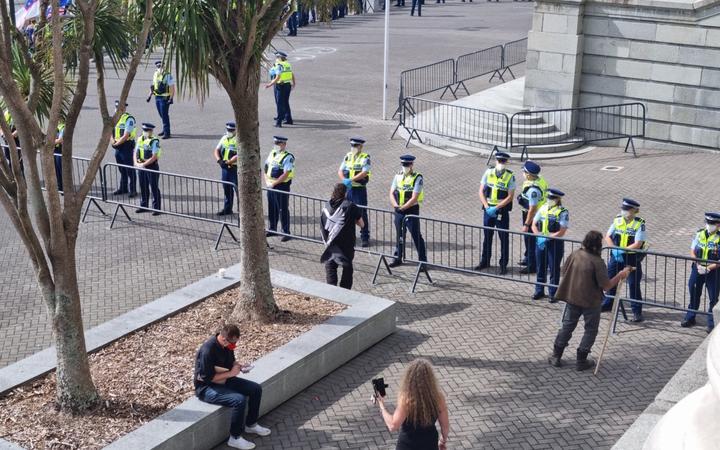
285, 82
531, 199
57, 153
279, 173
226, 156
163, 88
406, 196
147, 153
354, 172
627, 233
550, 222
705, 245
124, 144
14, 136
497, 189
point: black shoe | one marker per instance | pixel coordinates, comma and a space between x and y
395, 263
503, 271
289, 122
637, 318
167, 136
161, 134
119, 192
269, 233
365, 243
278, 125
481, 266
132, 195
538, 295
523, 263
223, 213
583, 363
156, 213
527, 270
285, 239
688, 323
555, 359
709, 330
552, 300
141, 210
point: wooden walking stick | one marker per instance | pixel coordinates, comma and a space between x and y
616, 305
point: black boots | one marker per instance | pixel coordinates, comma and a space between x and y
583, 363
554, 359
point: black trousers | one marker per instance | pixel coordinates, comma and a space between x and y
149, 181
278, 208
331, 273
283, 103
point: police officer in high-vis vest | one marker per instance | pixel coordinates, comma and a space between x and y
354, 172
497, 189
705, 245
226, 154
123, 142
406, 196
279, 172
163, 88
627, 233
285, 82
15, 137
147, 153
57, 153
550, 222
531, 199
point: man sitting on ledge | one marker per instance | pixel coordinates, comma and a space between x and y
216, 382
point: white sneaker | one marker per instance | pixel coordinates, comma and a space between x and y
240, 443
258, 429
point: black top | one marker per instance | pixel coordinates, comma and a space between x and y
211, 354
414, 437
343, 246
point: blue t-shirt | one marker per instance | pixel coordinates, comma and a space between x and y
639, 236
511, 184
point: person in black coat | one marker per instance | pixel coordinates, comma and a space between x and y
338, 219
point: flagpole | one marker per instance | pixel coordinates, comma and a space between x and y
385, 58
11, 4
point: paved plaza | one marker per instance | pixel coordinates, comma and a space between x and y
487, 339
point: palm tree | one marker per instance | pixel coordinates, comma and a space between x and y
34, 90
225, 40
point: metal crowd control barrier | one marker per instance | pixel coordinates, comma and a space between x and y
514, 53
456, 246
452, 121
477, 64
426, 79
181, 196
591, 124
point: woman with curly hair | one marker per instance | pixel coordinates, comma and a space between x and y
420, 404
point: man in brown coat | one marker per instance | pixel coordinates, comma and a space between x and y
584, 278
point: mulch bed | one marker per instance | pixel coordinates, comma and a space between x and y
147, 373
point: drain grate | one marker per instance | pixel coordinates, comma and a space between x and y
612, 168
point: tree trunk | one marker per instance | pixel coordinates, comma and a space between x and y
75, 388
256, 300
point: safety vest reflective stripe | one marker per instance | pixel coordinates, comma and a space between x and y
354, 165
541, 184
498, 186
146, 144
276, 162
550, 214
158, 79
229, 147
286, 73
122, 124
623, 237
406, 185
708, 247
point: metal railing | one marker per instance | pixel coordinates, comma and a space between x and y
514, 53
477, 64
180, 195
586, 124
426, 79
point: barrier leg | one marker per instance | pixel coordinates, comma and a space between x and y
396, 112
492, 152
511, 72
499, 75
524, 153
118, 208
92, 201
462, 83
377, 268
222, 230
611, 329
631, 143
417, 136
420, 268
620, 309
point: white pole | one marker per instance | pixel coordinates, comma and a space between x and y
385, 57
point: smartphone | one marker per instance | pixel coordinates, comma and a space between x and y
246, 369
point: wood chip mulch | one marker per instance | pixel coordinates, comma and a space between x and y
148, 372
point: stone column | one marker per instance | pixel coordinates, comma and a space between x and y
554, 57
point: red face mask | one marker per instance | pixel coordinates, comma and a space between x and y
231, 346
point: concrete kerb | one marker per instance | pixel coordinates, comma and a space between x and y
282, 373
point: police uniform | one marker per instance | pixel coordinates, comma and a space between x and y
146, 148
226, 155
497, 186
161, 88
404, 185
551, 218
531, 199
284, 86
623, 234
705, 245
6, 149
279, 162
354, 163
57, 154
124, 153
